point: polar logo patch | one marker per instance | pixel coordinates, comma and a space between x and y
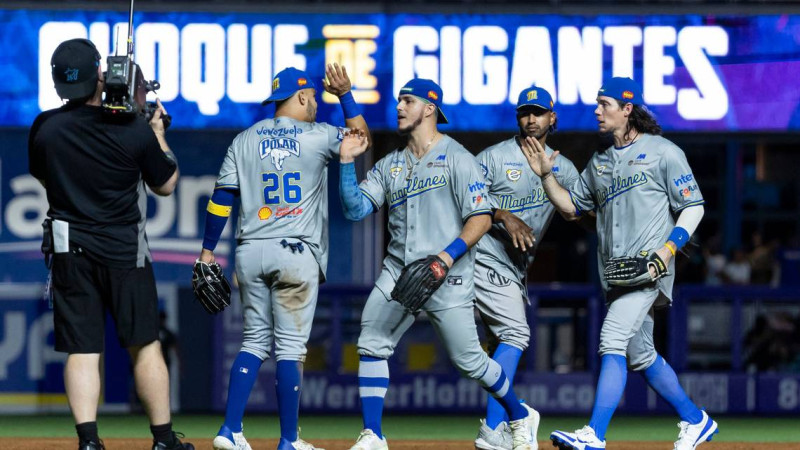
278, 149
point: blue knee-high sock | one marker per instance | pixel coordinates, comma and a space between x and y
494, 380
663, 380
610, 387
508, 358
373, 382
244, 372
288, 380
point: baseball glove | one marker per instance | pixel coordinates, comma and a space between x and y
635, 270
418, 281
210, 287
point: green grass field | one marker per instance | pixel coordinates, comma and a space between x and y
659, 428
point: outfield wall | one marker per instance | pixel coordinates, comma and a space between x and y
423, 381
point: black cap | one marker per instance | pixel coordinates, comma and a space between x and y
74, 65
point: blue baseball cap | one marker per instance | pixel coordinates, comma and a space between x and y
287, 82
624, 89
428, 91
535, 96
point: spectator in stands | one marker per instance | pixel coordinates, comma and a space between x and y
762, 260
770, 345
715, 261
737, 271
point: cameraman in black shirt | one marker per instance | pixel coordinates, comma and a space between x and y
94, 168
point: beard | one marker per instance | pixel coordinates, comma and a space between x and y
407, 130
311, 112
537, 135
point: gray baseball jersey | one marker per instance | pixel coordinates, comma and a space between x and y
634, 192
280, 167
429, 200
513, 186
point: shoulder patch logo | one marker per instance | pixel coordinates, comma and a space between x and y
513, 174
395, 171
485, 170
600, 169
477, 186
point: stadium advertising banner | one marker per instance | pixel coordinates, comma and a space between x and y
32, 372
699, 72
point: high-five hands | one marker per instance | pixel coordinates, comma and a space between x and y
336, 81
354, 143
540, 163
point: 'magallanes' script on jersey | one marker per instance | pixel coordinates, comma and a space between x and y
635, 191
513, 186
429, 200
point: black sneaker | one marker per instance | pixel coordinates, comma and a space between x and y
91, 445
176, 443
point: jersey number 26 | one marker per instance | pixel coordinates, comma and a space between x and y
272, 188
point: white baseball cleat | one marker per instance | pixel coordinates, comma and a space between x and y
523, 431
583, 439
368, 440
228, 440
299, 444
691, 436
497, 439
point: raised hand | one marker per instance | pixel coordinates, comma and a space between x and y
336, 81
540, 163
354, 143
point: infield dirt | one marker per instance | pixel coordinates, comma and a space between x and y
258, 444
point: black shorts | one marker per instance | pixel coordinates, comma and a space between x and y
84, 289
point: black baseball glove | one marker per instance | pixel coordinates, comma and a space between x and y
211, 288
418, 281
635, 270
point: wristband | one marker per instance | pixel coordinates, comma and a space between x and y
679, 236
546, 176
671, 247
349, 106
456, 249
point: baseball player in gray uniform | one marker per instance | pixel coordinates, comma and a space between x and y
636, 187
279, 169
522, 214
436, 196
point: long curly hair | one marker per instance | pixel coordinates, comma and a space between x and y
641, 120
